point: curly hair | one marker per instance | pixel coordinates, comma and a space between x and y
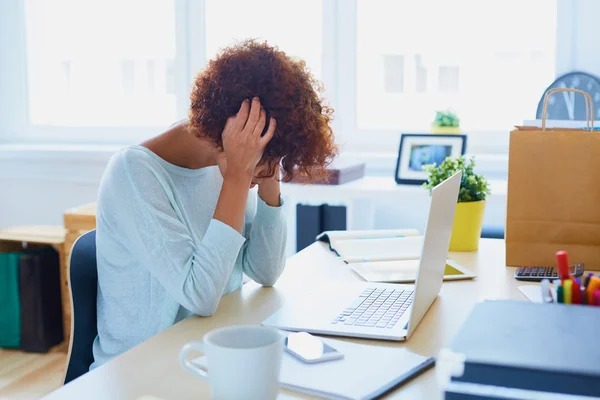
303, 141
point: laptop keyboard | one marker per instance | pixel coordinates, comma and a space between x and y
379, 308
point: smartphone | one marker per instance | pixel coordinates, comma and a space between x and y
310, 349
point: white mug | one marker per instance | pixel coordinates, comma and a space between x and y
243, 362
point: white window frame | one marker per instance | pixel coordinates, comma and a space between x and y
339, 77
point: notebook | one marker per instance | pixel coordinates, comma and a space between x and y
386, 255
534, 348
365, 372
534, 292
374, 245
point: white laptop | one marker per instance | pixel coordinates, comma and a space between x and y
379, 310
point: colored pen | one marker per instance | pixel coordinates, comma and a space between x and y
559, 294
576, 292
597, 297
546, 294
593, 285
568, 291
586, 281
563, 264
556, 283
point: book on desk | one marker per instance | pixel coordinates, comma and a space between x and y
391, 255
521, 350
366, 371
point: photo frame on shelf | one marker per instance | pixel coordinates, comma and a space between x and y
419, 149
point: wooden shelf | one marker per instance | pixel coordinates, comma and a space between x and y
35, 234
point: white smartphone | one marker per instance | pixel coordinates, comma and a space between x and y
310, 349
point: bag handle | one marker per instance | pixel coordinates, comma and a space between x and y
589, 106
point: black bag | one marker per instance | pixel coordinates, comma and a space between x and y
41, 305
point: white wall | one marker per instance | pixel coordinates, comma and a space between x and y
38, 184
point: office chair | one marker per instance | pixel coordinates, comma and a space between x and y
493, 232
83, 276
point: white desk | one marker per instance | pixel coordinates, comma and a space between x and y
152, 368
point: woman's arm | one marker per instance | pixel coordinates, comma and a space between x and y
139, 206
146, 214
264, 251
269, 190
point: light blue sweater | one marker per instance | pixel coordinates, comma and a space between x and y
162, 256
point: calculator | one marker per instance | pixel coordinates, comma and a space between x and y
536, 274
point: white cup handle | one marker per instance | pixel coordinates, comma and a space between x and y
198, 346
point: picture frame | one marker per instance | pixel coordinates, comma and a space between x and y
418, 149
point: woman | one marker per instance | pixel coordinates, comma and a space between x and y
177, 223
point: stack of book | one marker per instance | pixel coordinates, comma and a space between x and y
520, 350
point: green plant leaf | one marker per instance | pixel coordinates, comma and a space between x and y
473, 187
445, 118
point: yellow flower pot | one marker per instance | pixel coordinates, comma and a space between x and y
466, 230
446, 130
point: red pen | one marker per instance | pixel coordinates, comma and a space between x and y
563, 265
596, 297
576, 292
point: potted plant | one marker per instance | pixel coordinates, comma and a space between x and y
474, 190
445, 122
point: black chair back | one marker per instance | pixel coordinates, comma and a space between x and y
84, 288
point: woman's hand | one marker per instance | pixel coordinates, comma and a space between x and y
243, 147
243, 144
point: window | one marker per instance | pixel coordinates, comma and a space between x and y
490, 61
387, 65
296, 27
100, 63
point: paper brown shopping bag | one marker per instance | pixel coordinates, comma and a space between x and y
553, 199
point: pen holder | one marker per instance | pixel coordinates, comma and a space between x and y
573, 291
